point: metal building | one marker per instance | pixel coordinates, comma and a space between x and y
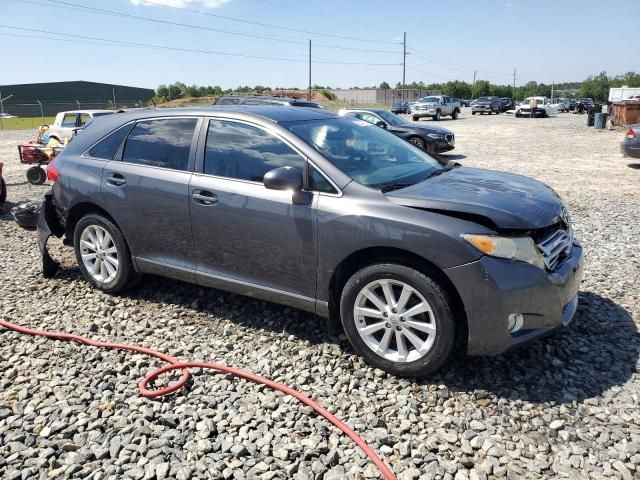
388, 96
47, 99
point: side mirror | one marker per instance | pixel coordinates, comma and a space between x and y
381, 124
283, 178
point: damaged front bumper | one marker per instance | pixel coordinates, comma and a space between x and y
48, 224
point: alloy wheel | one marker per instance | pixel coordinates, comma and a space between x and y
394, 320
99, 253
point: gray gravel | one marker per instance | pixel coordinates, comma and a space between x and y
563, 407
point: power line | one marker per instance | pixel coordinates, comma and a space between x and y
269, 25
102, 11
191, 50
451, 65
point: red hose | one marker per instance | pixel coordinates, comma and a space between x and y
184, 366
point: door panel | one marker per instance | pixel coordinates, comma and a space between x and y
147, 191
151, 206
253, 235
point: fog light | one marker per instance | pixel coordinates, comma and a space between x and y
515, 322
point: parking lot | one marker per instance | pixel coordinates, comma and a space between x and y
564, 407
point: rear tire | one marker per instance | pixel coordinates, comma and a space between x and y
100, 246
454, 115
401, 342
415, 119
473, 113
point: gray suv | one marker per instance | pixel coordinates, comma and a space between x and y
328, 214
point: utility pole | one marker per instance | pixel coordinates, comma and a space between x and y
473, 86
309, 92
514, 84
404, 62
553, 84
114, 97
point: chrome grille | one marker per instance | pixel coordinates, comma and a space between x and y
555, 247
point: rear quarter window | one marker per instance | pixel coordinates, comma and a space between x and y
108, 146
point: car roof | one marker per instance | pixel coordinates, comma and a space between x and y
374, 110
87, 111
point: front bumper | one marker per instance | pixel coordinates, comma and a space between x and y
444, 145
426, 112
491, 289
481, 108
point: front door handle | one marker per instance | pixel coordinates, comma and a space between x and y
116, 179
204, 197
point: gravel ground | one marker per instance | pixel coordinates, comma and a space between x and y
563, 407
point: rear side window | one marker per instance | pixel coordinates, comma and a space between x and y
245, 152
227, 101
161, 143
107, 147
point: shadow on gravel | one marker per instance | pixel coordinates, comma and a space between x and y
452, 156
598, 351
635, 166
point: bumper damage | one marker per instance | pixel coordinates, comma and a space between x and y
48, 224
492, 289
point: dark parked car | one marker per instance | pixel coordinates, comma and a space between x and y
630, 146
402, 107
430, 138
507, 104
331, 215
486, 105
465, 102
264, 100
572, 104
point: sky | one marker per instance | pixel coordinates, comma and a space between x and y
354, 42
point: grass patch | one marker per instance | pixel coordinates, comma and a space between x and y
23, 123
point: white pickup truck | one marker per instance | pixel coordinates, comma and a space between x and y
67, 122
435, 107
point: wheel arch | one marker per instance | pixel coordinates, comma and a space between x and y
368, 256
81, 209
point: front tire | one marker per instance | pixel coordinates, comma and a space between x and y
102, 254
415, 119
418, 142
437, 116
398, 319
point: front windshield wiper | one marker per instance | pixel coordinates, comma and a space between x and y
395, 186
435, 173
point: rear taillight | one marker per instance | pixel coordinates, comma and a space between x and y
52, 172
631, 133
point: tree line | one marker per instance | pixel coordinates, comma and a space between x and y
595, 87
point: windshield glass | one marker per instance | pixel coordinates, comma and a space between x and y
390, 118
429, 99
485, 99
369, 154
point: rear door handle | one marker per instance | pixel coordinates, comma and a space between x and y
116, 179
204, 197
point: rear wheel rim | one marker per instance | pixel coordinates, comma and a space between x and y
99, 253
394, 320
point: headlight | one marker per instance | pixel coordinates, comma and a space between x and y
437, 136
513, 248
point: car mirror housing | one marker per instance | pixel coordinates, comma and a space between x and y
283, 178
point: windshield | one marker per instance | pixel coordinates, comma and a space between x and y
390, 118
370, 155
485, 99
429, 100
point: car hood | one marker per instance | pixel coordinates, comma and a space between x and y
483, 103
507, 200
428, 129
